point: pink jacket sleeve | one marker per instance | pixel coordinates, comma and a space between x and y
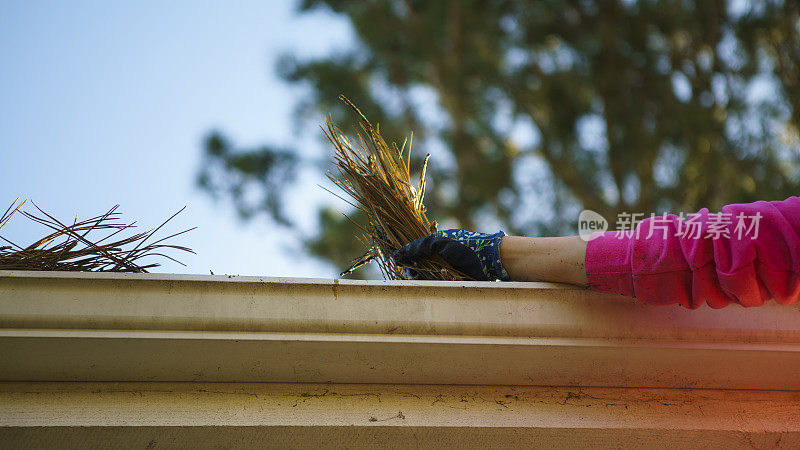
747, 254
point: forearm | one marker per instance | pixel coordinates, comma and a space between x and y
558, 259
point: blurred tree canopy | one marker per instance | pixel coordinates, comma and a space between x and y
535, 109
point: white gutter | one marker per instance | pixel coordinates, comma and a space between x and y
128, 327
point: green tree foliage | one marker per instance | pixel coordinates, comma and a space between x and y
629, 106
253, 178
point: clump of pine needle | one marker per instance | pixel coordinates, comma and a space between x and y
71, 248
376, 176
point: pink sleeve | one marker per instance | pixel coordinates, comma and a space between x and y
747, 254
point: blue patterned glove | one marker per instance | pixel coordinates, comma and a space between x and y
477, 255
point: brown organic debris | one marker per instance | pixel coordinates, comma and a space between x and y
71, 248
375, 175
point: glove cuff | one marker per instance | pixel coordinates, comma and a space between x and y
486, 246
490, 257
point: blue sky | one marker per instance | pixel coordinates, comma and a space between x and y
108, 102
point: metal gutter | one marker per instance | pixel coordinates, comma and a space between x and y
149, 327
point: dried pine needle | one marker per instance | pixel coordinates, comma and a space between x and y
375, 175
71, 248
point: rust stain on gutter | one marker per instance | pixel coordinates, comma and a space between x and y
335, 288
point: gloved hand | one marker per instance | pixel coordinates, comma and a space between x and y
475, 254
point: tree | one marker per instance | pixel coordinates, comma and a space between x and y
628, 106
